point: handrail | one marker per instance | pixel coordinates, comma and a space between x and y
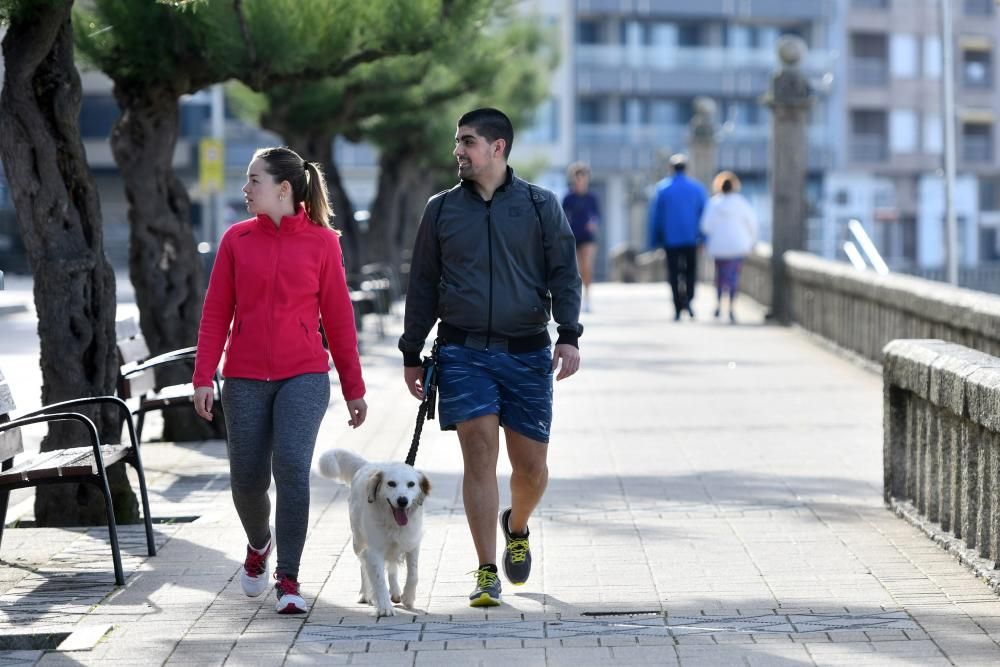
854, 256
856, 229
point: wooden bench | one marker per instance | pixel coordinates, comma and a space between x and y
139, 379
86, 463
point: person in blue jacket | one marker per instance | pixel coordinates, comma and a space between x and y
674, 220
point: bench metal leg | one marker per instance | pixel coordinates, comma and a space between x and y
4, 498
116, 553
140, 420
144, 495
135, 458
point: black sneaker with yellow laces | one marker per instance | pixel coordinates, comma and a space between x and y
487, 591
517, 554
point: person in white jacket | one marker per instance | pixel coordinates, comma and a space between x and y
730, 224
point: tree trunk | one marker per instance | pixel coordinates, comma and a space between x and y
319, 148
404, 185
164, 264
59, 216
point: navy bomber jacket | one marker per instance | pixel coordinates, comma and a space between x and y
496, 269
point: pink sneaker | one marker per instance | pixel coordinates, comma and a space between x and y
253, 576
289, 600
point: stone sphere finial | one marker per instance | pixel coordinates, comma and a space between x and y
791, 50
705, 106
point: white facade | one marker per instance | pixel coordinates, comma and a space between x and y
931, 243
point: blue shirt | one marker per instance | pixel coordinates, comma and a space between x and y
675, 212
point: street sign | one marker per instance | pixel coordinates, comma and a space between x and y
211, 175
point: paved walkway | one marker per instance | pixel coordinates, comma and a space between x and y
715, 498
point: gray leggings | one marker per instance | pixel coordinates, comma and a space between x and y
274, 425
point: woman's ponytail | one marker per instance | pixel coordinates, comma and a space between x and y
317, 200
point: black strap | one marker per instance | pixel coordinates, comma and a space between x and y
426, 409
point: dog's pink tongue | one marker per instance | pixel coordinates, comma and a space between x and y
399, 515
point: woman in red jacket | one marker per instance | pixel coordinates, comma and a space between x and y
275, 276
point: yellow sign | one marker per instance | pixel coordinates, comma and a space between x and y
211, 172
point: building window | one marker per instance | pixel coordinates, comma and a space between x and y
588, 111
977, 142
979, 7
663, 112
904, 61
869, 140
989, 193
933, 134
977, 68
869, 59
932, 57
742, 112
545, 128
870, 4
588, 32
690, 34
903, 131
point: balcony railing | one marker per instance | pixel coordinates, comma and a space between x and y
869, 71
977, 149
676, 135
979, 7
869, 148
688, 57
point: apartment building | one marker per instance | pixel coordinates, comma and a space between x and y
624, 94
890, 177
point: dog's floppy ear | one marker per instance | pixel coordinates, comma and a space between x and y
425, 488
373, 483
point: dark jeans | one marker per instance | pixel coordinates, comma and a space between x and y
681, 272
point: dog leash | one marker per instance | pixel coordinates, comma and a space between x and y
426, 409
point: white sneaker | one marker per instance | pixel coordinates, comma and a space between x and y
289, 600
253, 575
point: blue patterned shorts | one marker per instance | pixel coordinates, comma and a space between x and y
516, 387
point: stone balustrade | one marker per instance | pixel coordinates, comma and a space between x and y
858, 310
862, 311
942, 439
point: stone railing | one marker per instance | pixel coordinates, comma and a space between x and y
862, 311
858, 310
942, 445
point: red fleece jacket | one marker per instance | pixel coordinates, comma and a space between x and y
269, 287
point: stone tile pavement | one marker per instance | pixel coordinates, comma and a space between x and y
715, 498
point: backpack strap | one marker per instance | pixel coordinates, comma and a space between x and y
541, 230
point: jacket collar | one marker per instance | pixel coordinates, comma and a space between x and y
471, 185
290, 224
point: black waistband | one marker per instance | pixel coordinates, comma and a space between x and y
513, 344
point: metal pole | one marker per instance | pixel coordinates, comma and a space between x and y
218, 215
948, 118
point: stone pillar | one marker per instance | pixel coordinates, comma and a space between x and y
790, 98
702, 141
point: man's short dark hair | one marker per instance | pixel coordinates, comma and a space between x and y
492, 124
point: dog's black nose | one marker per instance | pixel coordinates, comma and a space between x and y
402, 501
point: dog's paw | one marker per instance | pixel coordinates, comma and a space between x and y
384, 611
395, 598
363, 599
409, 600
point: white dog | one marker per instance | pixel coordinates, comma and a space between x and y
386, 505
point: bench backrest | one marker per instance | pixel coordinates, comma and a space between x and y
132, 351
10, 441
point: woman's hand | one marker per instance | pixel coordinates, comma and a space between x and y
204, 398
358, 410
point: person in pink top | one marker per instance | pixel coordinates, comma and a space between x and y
276, 276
